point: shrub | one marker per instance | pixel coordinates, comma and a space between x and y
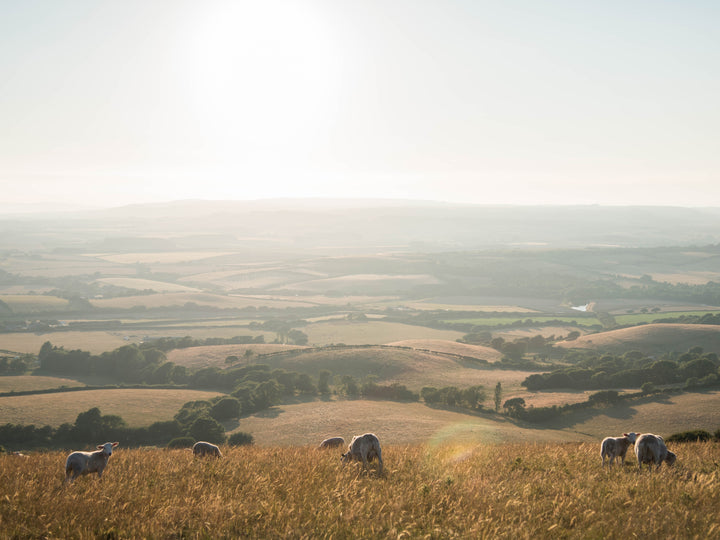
227, 407
648, 388
606, 396
207, 429
240, 438
690, 436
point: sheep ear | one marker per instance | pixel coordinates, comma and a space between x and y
100, 446
115, 444
625, 435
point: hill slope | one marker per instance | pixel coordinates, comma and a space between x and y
651, 339
412, 423
451, 347
412, 368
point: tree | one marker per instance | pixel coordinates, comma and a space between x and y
305, 384
648, 388
227, 407
498, 396
207, 429
430, 394
297, 337
350, 386
515, 406
162, 374
232, 359
572, 336
324, 382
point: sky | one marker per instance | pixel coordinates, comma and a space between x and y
107, 103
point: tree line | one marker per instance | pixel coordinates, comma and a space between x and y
633, 369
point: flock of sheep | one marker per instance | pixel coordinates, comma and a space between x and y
649, 449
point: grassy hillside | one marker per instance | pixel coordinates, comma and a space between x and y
399, 423
451, 347
411, 423
20, 383
651, 339
355, 333
513, 491
215, 355
138, 407
663, 415
413, 368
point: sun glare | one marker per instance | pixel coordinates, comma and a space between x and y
260, 71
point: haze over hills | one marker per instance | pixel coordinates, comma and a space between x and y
295, 226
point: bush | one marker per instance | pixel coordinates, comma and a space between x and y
690, 436
181, 442
227, 407
607, 397
648, 388
240, 438
207, 429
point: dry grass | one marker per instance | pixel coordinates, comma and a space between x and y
170, 257
142, 284
452, 347
651, 339
356, 333
507, 308
406, 423
513, 491
91, 341
29, 303
665, 416
410, 423
20, 383
411, 368
180, 298
215, 355
138, 407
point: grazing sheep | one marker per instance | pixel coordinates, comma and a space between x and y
364, 448
202, 448
332, 442
613, 447
651, 449
79, 463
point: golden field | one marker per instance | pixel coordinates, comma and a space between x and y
513, 491
138, 407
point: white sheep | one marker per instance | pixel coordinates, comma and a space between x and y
202, 448
651, 449
79, 463
364, 448
613, 447
332, 442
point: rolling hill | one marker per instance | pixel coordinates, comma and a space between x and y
451, 347
412, 423
651, 339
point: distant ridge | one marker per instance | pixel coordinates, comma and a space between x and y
352, 226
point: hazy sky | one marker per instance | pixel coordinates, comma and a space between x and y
518, 101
